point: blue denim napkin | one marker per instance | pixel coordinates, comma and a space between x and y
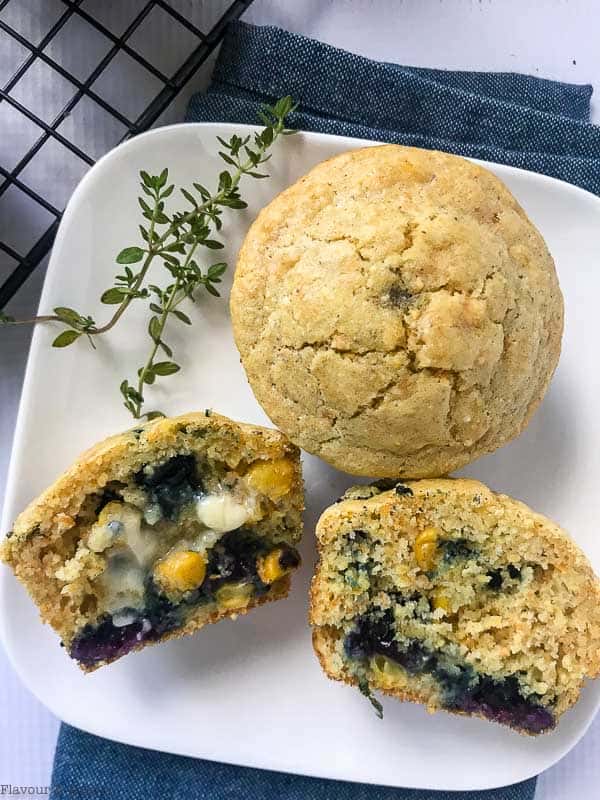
527, 122
516, 119
87, 767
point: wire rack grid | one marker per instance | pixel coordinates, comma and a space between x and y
47, 132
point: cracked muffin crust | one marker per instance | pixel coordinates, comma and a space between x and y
157, 531
396, 312
444, 593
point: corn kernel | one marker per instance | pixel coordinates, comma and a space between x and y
441, 600
234, 595
426, 548
276, 564
386, 672
272, 478
181, 571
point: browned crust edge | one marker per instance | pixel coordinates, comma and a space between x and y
323, 639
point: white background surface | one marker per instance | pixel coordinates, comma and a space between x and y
542, 37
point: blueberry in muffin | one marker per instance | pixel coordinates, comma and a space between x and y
158, 531
443, 593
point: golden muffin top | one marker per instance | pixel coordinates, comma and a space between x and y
397, 313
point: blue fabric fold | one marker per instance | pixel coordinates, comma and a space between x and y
89, 767
515, 119
565, 99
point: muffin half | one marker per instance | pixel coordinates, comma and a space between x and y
444, 593
158, 531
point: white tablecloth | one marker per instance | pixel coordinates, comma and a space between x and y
550, 38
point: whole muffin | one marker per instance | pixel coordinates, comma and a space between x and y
396, 312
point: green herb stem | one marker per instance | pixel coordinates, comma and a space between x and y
32, 321
125, 303
175, 245
172, 303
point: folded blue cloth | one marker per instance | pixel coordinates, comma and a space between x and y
92, 768
527, 122
514, 119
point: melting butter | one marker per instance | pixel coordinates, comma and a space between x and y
123, 581
222, 513
131, 548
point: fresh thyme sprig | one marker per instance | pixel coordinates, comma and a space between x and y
365, 689
173, 239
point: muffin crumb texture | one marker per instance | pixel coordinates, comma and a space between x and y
158, 531
396, 312
449, 595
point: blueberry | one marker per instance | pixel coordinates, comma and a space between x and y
354, 646
243, 547
172, 484
289, 558
456, 549
171, 473
536, 719
375, 634
456, 681
222, 563
416, 658
105, 641
502, 701
360, 643
234, 559
382, 629
495, 579
162, 614
383, 484
463, 688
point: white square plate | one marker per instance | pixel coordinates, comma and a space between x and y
251, 692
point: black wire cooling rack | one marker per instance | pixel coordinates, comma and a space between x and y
24, 257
